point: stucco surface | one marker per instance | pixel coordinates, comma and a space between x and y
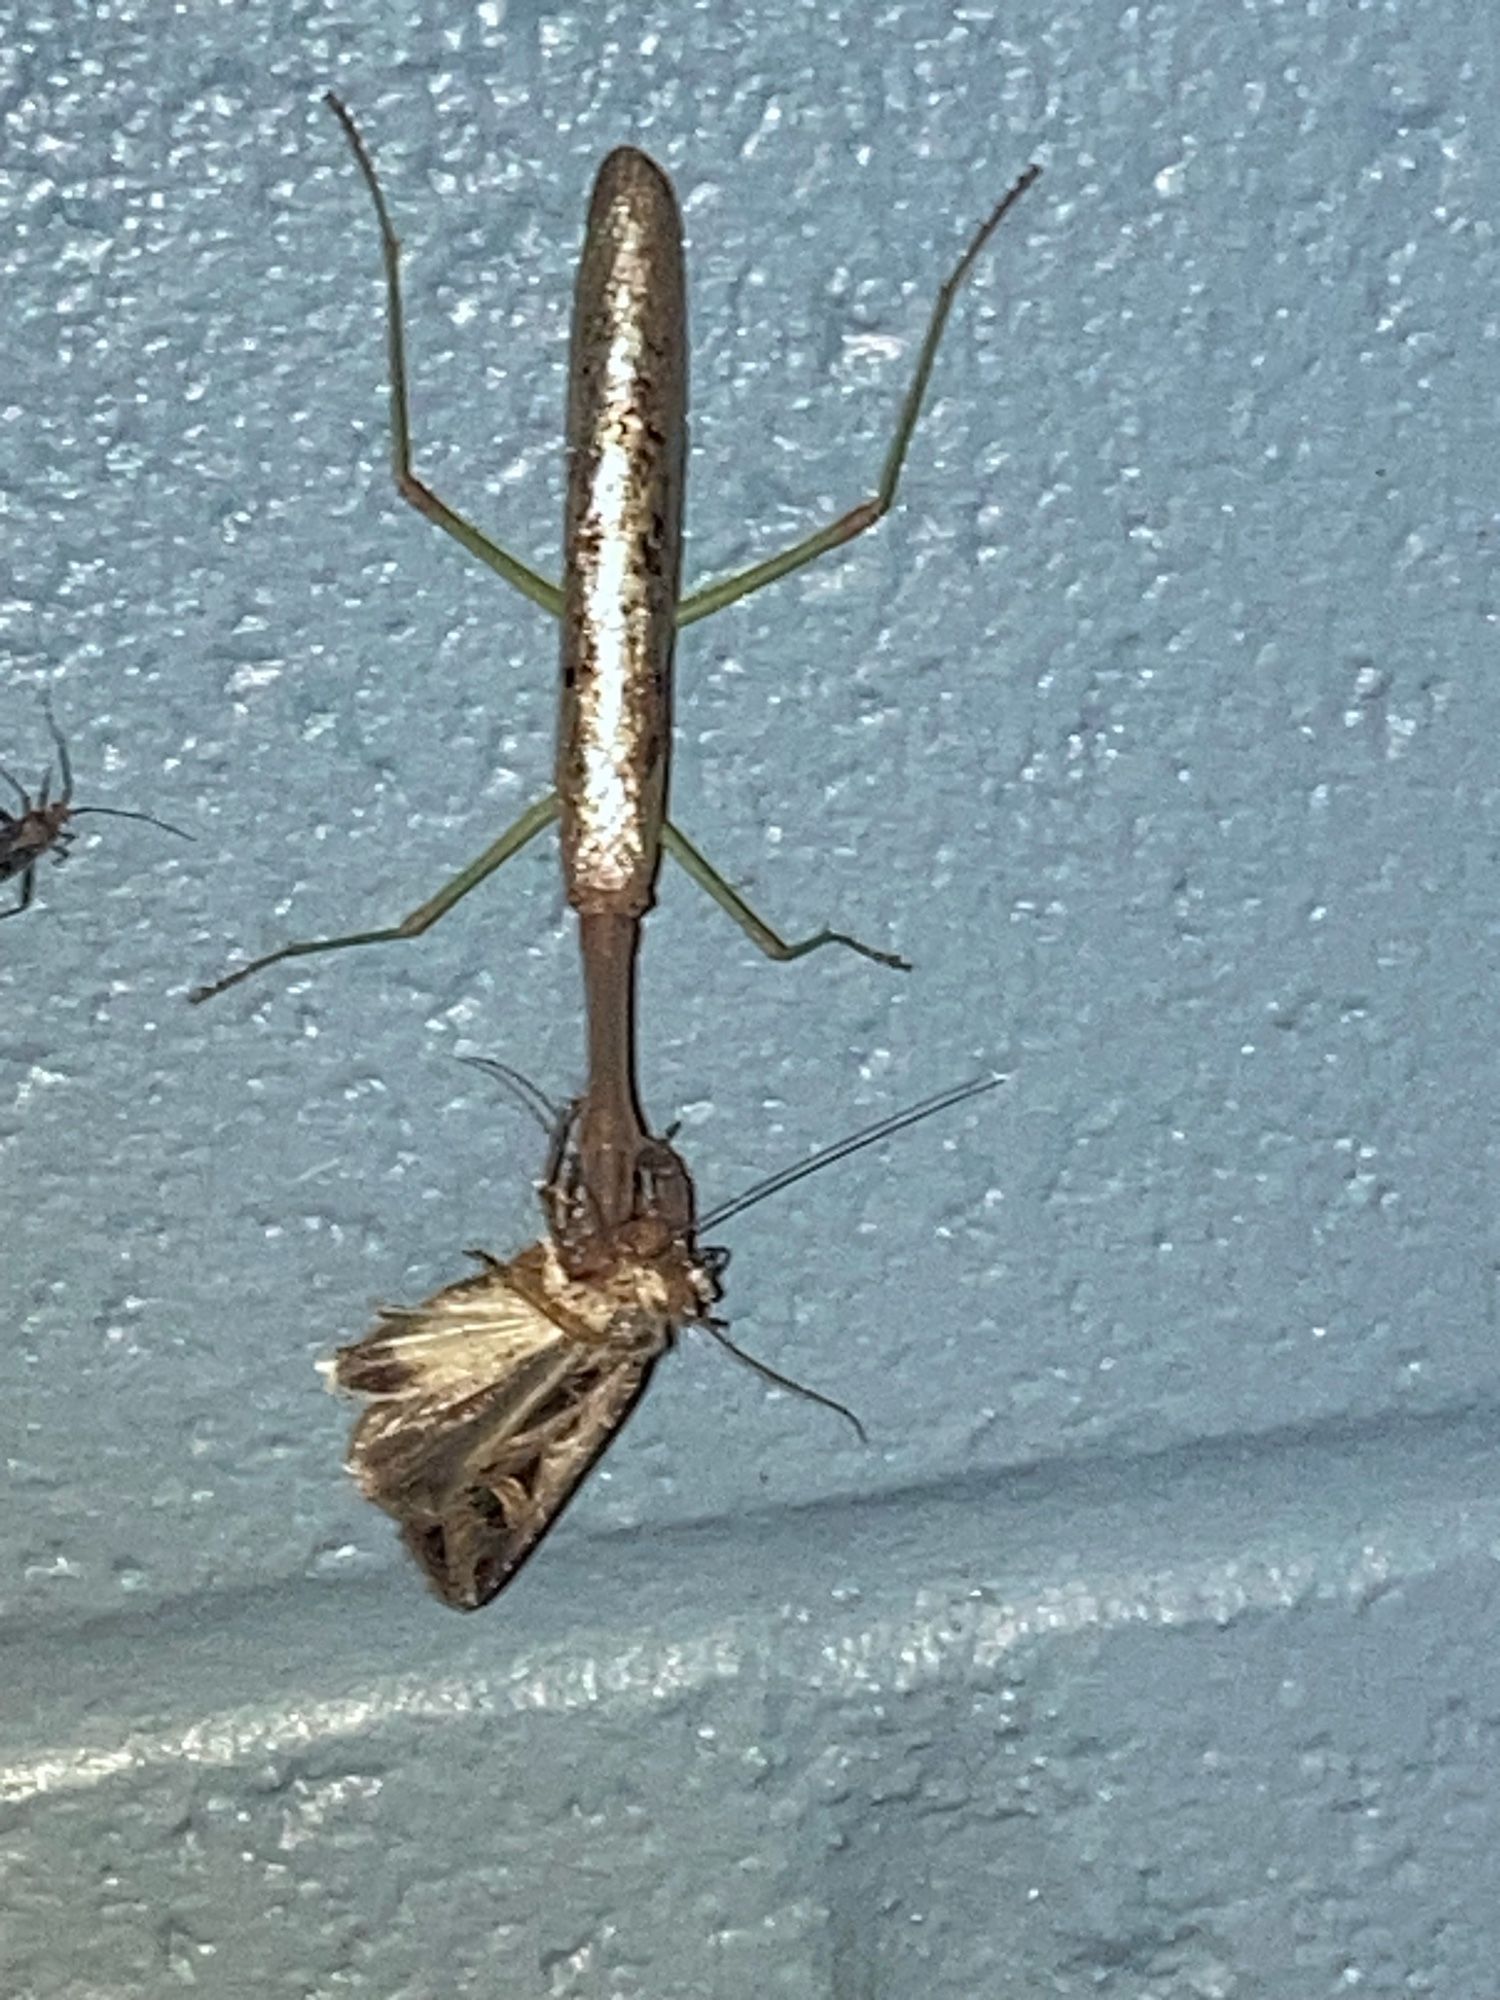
1149, 1649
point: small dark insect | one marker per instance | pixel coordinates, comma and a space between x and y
42, 823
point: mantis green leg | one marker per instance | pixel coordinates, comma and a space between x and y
676, 843
526, 828
715, 596
411, 488
540, 591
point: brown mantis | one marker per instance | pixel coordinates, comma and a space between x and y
41, 826
620, 604
490, 1401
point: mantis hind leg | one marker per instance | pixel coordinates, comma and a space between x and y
415, 922
728, 590
676, 843
412, 489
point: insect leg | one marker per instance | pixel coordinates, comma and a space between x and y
18, 788
703, 872
63, 763
28, 882
714, 596
411, 488
421, 919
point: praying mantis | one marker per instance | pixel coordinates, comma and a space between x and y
622, 547
487, 1404
620, 607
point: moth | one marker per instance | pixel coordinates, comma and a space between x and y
41, 826
489, 1403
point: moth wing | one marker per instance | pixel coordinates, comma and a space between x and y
441, 1375
485, 1417
518, 1485
440, 1352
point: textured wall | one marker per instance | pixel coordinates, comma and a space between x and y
1149, 1651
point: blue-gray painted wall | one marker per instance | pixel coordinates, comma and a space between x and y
1150, 1649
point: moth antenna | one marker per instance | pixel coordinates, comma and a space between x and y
530, 1096
785, 1381
120, 812
898, 1121
18, 788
